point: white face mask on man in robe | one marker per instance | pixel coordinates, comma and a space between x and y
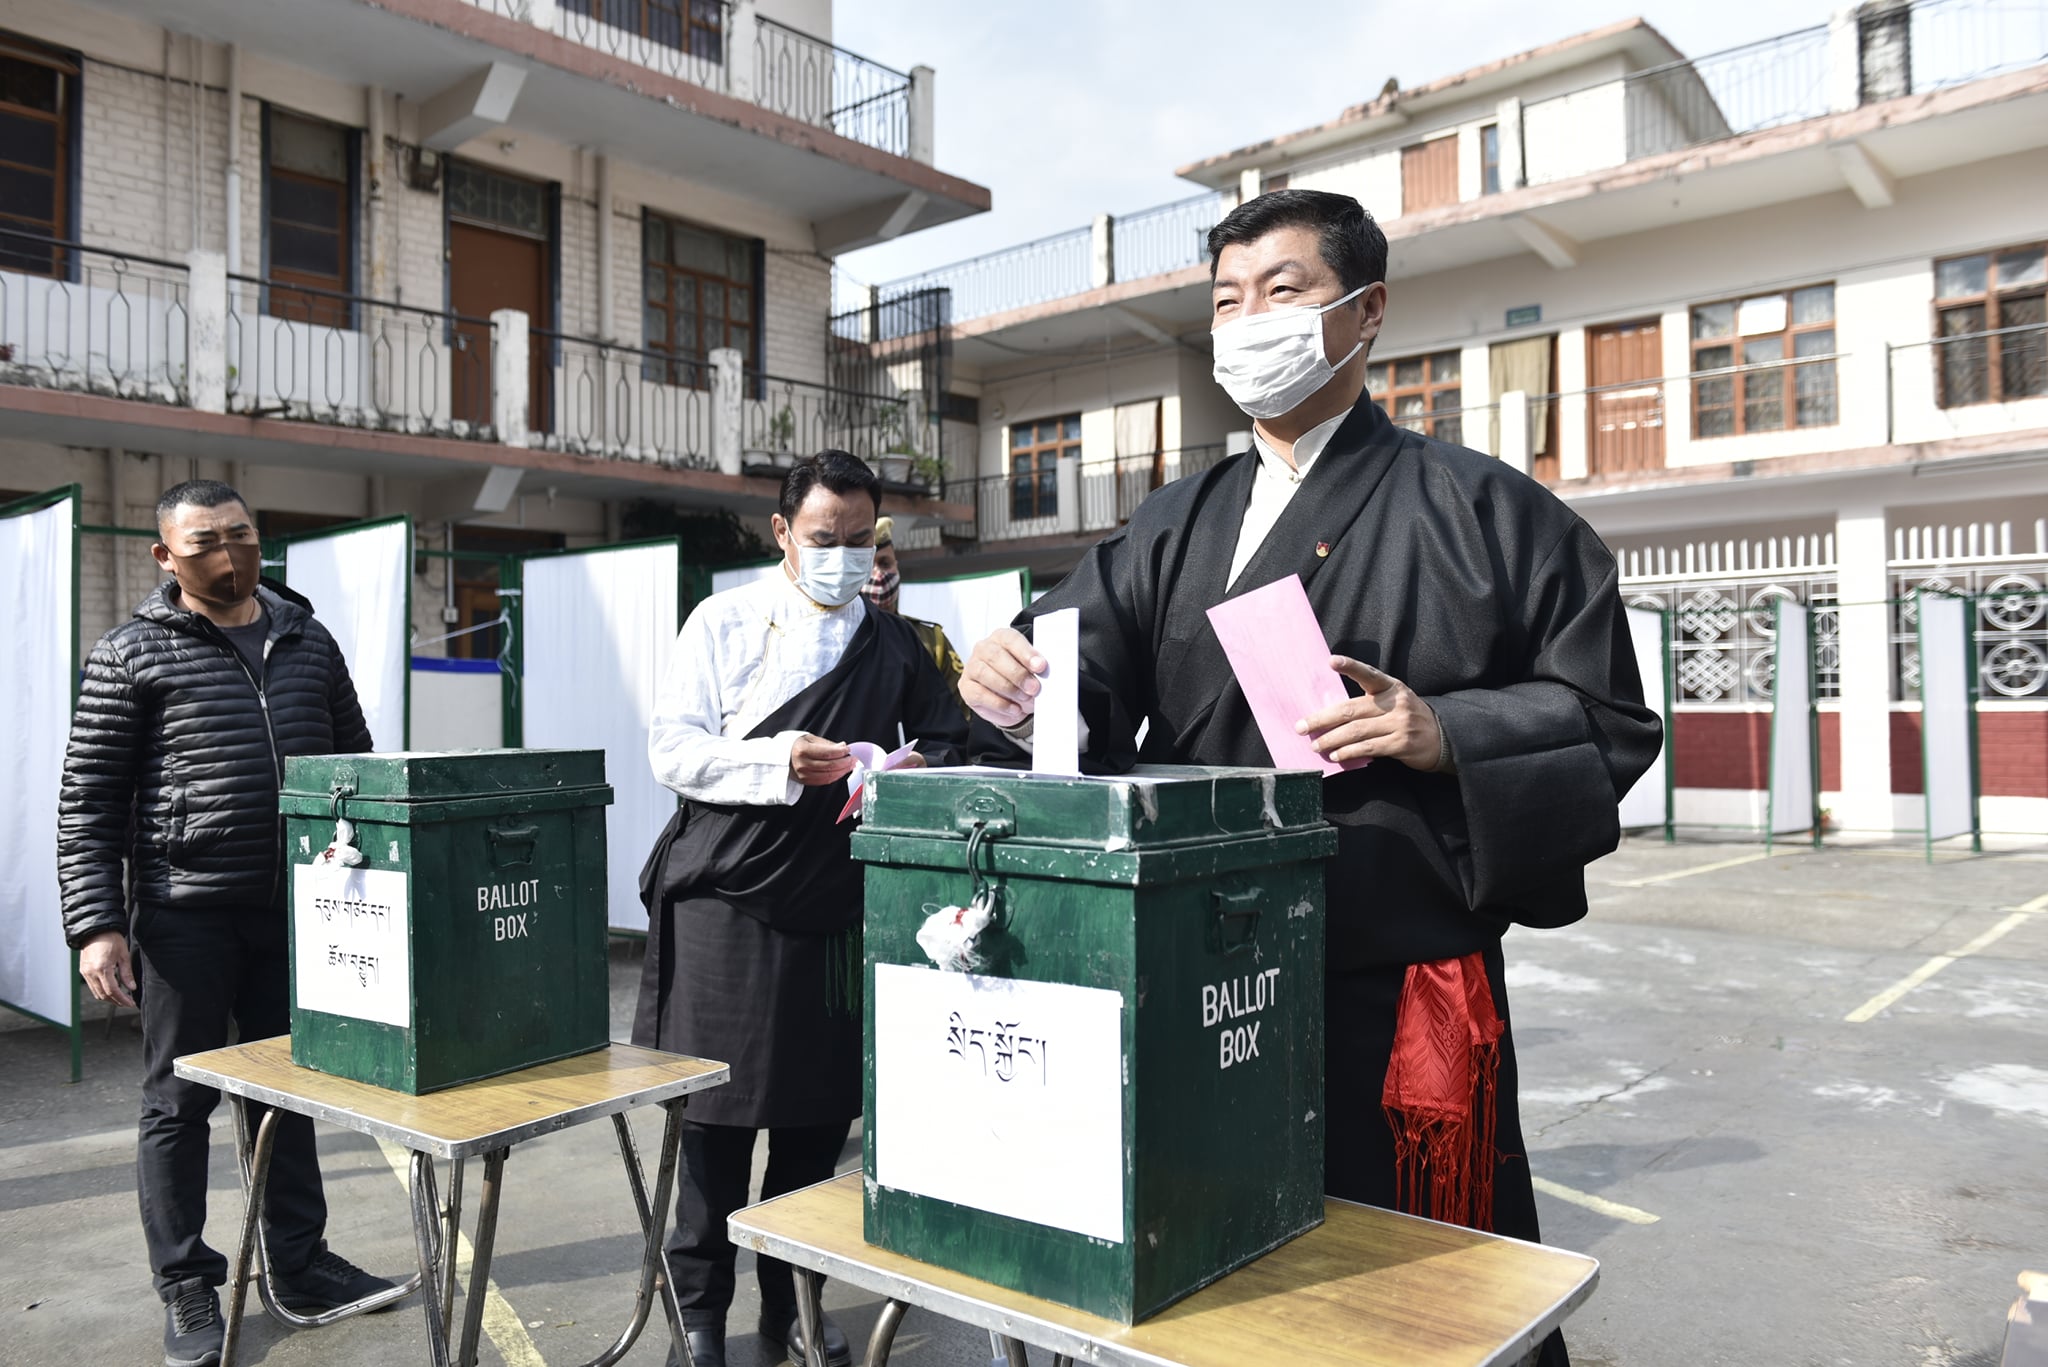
1270, 363
831, 576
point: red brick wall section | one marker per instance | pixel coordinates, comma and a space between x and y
1721, 749
1906, 752
1831, 752
1732, 750
2012, 754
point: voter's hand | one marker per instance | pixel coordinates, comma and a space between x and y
815, 761
1001, 679
107, 971
1390, 722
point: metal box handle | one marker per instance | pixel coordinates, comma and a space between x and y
512, 844
986, 809
1241, 908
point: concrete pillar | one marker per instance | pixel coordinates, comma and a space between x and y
922, 105
1514, 429
1513, 165
117, 513
1069, 477
541, 14
373, 193
740, 48
206, 331
1863, 584
871, 313
607, 253
1102, 254
1250, 184
728, 383
1844, 62
511, 377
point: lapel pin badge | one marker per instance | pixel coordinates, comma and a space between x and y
1322, 550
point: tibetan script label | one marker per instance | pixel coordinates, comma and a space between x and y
351, 950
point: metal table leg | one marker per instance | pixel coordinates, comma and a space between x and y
810, 1313
450, 1238
427, 1240
474, 1294
883, 1339
1008, 1349
653, 1221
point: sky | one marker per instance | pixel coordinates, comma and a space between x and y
1069, 108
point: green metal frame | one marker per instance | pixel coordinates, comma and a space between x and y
285, 543
1812, 733
36, 503
1970, 690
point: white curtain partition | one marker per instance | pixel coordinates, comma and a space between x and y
968, 608
359, 581
39, 595
1794, 783
1649, 802
1947, 733
600, 626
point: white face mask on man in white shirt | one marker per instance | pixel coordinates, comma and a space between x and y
828, 546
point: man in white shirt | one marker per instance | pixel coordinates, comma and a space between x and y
753, 898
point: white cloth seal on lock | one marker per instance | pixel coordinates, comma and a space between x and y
949, 935
342, 849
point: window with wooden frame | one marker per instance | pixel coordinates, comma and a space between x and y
1489, 159
700, 291
38, 95
1413, 389
1035, 452
693, 26
308, 215
1977, 299
1746, 343
1429, 174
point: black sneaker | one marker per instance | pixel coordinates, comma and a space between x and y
192, 1325
326, 1282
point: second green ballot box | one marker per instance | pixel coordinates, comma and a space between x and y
1118, 1098
447, 912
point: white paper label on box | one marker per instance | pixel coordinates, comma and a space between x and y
1001, 1095
352, 950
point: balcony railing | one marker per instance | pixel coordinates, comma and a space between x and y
784, 420
1078, 497
686, 39
598, 399
316, 355
1168, 238
83, 318
809, 79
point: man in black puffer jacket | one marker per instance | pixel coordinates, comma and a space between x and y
176, 757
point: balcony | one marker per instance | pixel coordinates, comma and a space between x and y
703, 90
1077, 499
100, 348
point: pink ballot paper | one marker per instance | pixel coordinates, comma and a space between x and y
1282, 662
869, 759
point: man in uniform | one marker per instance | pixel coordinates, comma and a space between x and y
184, 719
884, 589
1496, 696
753, 898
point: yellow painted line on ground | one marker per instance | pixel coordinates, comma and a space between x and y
502, 1324
1940, 961
1599, 1205
1704, 868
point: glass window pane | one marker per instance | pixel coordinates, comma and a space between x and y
32, 142
1073, 432
740, 339
2028, 266
654, 237
712, 298
28, 194
1020, 436
1449, 429
1445, 399
1815, 305
1713, 320
1376, 379
1819, 342
654, 328
684, 293
2023, 356
30, 84
309, 202
311, 149
1957, 321
739, 303
307, 250
1815, 388
1408, 374
1443, 367
1408, 405
1713, 357
739, 260
1763, 402
1714, 422
1761, 349
654, 285
1718, 392
1961, 277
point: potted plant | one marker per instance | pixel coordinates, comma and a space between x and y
892, 466
929, 471
782, 432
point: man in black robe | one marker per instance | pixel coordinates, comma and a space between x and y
1497, 698
753, 898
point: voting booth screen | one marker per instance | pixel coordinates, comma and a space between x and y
39, 595
1649, 802
359, 581
600, 625
1794, 784
1947, 731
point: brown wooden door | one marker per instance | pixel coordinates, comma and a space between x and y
1625, 408
491, 270
1429, 174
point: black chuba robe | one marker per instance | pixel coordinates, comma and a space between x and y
1477, 588
753, 951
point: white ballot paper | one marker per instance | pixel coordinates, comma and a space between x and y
1056, 735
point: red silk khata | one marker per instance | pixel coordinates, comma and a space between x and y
1440, 1087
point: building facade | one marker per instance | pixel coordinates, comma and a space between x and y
1772, 320
539, 273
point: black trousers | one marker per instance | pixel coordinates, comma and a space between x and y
711, 1183
1358, 1161
199, 970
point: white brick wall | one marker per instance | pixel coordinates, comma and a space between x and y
798, 306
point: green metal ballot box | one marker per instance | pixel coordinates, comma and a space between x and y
1112, 1094
447, 912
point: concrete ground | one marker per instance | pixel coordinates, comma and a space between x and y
1763, 1179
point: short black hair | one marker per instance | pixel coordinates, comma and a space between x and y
1352, 244
840, 471
196, 493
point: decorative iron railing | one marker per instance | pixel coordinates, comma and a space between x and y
1168, 238
687, 39
784, 420
623, 403
808, 78
318, 355
88, 319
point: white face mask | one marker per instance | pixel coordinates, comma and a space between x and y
1270, 363
831, 576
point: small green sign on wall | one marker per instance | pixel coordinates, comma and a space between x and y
1525, 316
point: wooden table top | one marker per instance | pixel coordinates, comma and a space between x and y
463, 1121
1369, 1288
